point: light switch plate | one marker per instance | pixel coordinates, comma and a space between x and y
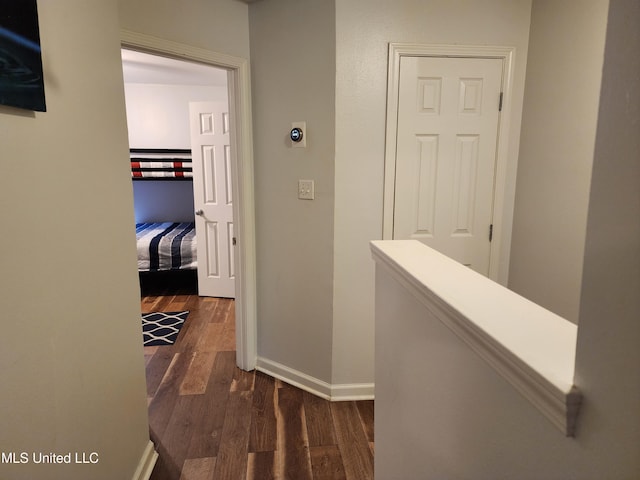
306, 189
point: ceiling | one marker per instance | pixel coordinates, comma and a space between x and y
141, 67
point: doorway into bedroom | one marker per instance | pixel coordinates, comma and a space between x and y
180, 185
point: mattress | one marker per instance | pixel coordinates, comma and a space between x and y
166, 246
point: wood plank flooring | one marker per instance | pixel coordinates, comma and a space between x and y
211, 420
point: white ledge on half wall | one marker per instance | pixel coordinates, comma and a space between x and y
531, 347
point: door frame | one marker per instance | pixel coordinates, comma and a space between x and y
503, 199
241, 139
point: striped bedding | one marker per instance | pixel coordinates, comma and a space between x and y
166, 246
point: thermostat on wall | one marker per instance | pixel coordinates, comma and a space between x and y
298, 134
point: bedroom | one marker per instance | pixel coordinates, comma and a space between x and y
158, 93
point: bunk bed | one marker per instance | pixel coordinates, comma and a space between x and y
161, 164
166, 245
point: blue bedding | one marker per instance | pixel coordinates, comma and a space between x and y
166, 246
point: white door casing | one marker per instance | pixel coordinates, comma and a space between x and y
506, 151
213, 198
239, 85
448, 113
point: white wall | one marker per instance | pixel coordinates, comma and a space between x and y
158, 117
71, 346
556, 154
363, 30
293, 79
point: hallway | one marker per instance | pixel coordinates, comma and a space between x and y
211, 420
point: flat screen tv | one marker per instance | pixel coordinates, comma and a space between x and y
21, 78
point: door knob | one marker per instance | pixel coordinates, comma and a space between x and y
200, 212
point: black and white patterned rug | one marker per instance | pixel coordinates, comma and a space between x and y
162, 328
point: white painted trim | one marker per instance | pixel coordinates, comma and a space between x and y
502, 205
146, 463
294, 377
530, 347
334, 393
242, 173
352, 391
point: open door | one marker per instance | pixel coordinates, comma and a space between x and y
213, 199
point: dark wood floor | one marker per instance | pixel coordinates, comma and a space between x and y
211, 420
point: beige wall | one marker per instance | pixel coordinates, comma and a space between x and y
472, 400
556, 154
315, 276
71, 344
364, 29
315, 317
293, 79
608, 357
221, 26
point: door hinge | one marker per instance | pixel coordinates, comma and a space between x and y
500, 102
233, 240
491, 232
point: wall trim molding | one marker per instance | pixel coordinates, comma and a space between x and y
146, 463
540, 368
320, 388
503, 200
352, 392
242, 175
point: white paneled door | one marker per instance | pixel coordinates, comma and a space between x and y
448, 114
213, 199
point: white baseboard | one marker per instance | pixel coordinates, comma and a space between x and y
334, 393
352, 391
294, 377
146, 463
